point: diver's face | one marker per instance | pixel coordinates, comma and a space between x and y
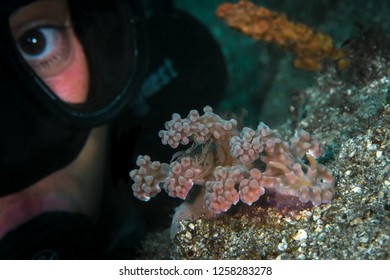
46, 39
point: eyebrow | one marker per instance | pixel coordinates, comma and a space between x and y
53, 10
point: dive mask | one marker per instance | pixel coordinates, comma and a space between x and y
96, 47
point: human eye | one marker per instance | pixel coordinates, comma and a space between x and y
45, 47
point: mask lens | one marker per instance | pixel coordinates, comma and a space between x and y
85, 54
45, 38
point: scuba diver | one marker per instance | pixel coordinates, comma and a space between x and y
85, 85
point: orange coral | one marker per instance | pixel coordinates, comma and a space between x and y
309, 46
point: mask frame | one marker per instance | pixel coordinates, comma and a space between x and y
116, 69
42, 134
